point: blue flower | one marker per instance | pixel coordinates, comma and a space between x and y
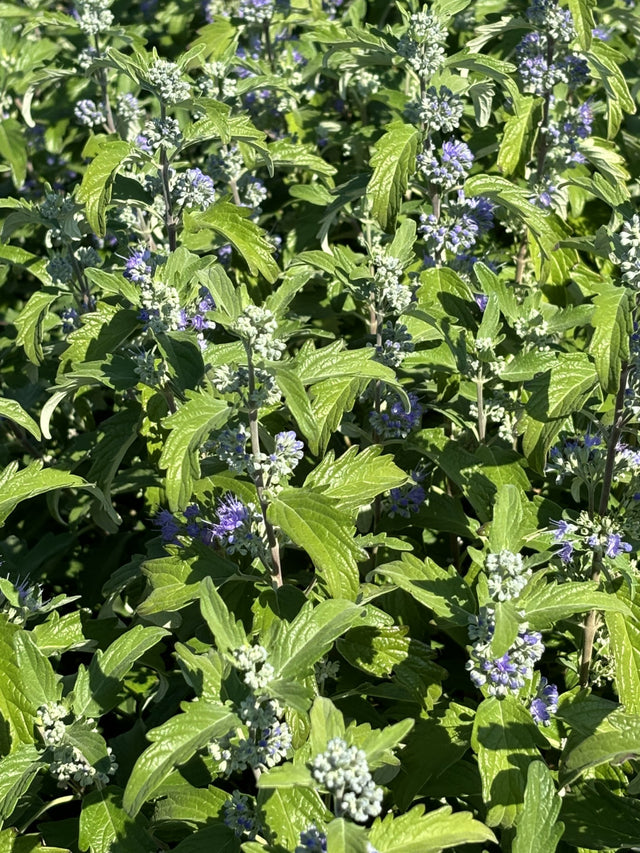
545, 703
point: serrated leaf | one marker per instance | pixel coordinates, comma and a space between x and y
232, 224
345, 837
416, 832
38, 680
228, 633
545, 604
515, 147
582, 16
555, 394
108, 668
624, 638
174, 743
612, 326
106, 828
375, 650
13, 149
315, 524
12, 410
506, 740
189, 427
29, 321
441, 590
393, 161
537, 829
614, 740
595, 817
95, 189
355, 478
290, 811
20, 485
17, 772
295, 646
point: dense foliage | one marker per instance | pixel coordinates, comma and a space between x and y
319, 395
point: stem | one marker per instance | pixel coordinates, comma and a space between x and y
169, 221
482, 421
543, 138
58, 801
102, 82
521, 262
254, 434
591, 624
267, 41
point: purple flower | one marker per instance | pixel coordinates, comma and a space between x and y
405, 500
396, 421
545, 703
562, 529
168, 524
481, 300
616, 546
136, 268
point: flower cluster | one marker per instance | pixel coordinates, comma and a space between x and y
448, 168
385, 287
193, 189
595, 535
239, 529
422, 46
232, 379
508, 673
627, 243
258, 327
166, 80
461, 224
312, 840
343, 771
394, 420
69, 766
20, 599
506, 574
438, 110
273, 468
396, 344
160, 133
265, 739
239, 814
405, 500
94, 16
89, 114
545, 703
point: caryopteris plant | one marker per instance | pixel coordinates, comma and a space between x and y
319, 397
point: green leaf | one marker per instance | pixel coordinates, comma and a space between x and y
596, 818
289, 811
346, 837
537, 829
38, 680
393, 160
13, 149
98, 692
545, 604
612, 327
355, 478
555, 394
582, 15
507, 519
295, 646
115, 436
106, 828
375, 650
232, 223
505, 739
189, 428
17, 708
174, 743
298, 403
95, 189
441, 590
287, 154
12, 410
315, 524
287, 776
416, 832
624, 638
18, 486
606, 63
184, 803
615, 739
517, 139
29, 321
228, 633
17, 772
